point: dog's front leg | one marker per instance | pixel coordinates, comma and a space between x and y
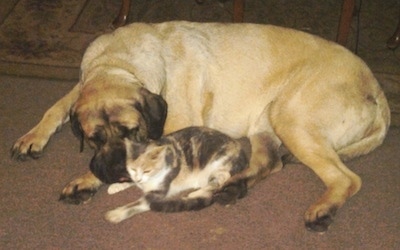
80, 190
33, 142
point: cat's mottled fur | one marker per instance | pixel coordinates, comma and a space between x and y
201, 162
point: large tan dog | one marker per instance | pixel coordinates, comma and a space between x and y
274, 85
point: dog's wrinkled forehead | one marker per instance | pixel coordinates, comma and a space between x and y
114, 120
137, 118
122, 114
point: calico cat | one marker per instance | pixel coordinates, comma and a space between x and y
198, 161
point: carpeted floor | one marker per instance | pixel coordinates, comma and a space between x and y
270, 217
45, 39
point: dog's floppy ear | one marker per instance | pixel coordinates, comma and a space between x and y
76, 128
154, 111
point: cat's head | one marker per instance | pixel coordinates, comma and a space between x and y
146, 160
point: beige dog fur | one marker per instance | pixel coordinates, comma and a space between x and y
271, 84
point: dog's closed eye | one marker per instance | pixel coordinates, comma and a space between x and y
99, 138
125, 132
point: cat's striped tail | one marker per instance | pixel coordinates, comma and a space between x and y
229, 193
180, 204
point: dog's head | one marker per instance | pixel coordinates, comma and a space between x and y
105, 118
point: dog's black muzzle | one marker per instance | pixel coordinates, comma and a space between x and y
109, 163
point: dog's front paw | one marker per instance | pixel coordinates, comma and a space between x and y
80, 190
30, 145
319, 218
77, 196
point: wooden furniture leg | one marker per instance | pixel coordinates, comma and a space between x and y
238, 11
394, 40
345, 21
122, 17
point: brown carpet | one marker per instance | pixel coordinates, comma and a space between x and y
46, 38
270, 217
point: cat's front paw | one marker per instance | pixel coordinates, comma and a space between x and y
116, 215
118, 187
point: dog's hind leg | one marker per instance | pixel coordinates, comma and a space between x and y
33, 142
314, 151
374, 136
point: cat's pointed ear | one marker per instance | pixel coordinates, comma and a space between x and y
157, 151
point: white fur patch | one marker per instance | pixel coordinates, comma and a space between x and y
118, 187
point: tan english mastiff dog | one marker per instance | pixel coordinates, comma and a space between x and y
276, 86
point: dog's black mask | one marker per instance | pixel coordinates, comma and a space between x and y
110, 167
109, 162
